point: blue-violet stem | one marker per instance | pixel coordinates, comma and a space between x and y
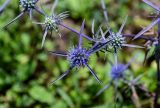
75, 31
4, 5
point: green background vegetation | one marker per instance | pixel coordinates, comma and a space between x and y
26, 69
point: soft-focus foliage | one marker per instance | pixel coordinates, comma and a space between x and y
26, 70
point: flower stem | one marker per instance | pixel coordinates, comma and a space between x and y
135, 97
141, 37
75, 31
157, 57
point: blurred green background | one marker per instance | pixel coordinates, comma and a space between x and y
26, 69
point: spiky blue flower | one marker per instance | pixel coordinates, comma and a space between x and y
114, 41
52, 23
27, 7
117, 41
116, 73
78, 57
64, 15
28, 4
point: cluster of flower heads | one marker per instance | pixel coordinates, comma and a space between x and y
78, 56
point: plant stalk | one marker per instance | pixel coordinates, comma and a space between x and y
157, 58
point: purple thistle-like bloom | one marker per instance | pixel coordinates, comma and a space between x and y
52, 22
117, 73
78, 57
4, 5
115, 41
153, 23
27, 6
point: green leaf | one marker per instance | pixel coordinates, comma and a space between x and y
66, 97
39, 93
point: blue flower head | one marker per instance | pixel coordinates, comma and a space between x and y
117, 72
117, 41
52, 22
27, 6
78, 57
113, 42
